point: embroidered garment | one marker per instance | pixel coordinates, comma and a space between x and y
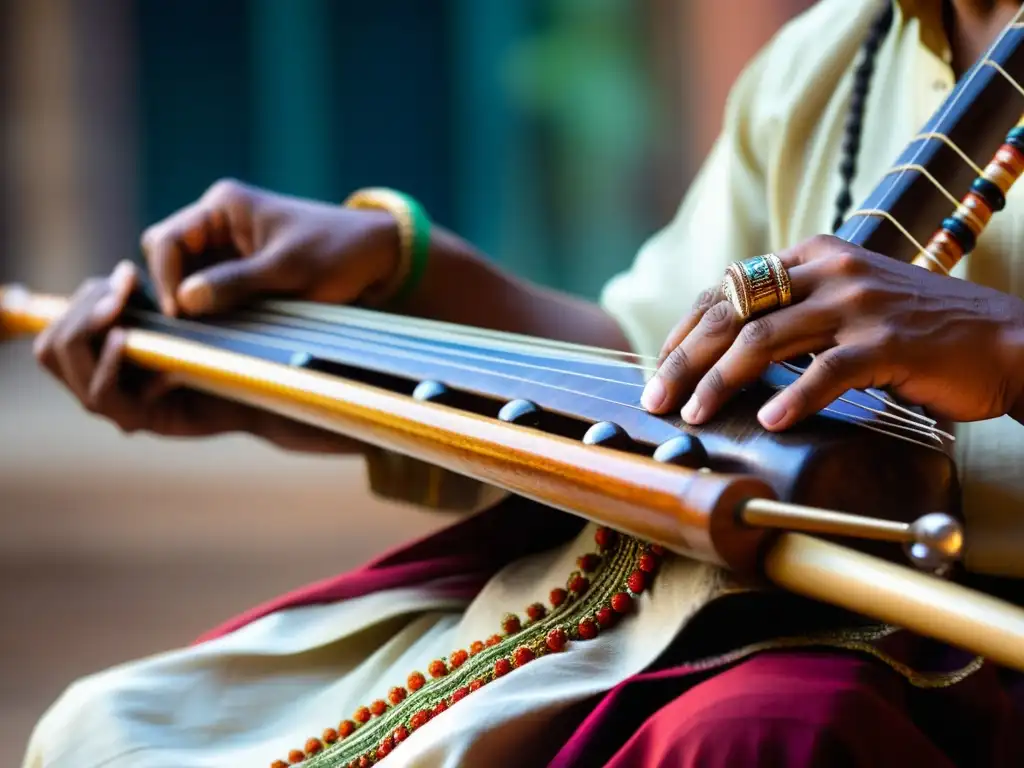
269, 681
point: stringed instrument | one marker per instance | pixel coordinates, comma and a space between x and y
562, 424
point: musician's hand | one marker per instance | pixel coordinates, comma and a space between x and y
84, 351
949, 345
237, 242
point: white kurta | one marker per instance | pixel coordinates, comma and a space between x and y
770, 181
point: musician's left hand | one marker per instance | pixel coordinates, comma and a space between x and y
952, 346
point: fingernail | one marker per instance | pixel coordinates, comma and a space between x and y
692, 410
122, 273
654, 394
772, 412
195, 294
105, 308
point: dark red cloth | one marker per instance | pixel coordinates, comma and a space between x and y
797, 709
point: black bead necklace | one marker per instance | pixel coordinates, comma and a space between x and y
855, 118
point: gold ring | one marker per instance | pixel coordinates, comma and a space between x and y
757, 285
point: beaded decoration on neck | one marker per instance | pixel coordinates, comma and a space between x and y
596, 596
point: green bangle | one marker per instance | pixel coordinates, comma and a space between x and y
414, 241
419, 251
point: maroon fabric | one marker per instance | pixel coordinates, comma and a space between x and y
795, 709
801, 709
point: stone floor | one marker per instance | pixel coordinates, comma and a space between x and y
114, 547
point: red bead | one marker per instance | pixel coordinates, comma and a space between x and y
279, 764
605, 538
605, 616
502, 667
397, 695
385, 748
364, 762
401, 733
647, 562
459, 694
657, 549
441, 706
437, 668
636, 582
536, 611
295, 757
361, 715
475, 647
578, 583
523, 655
313, 747
346, 728
588, 629
493, 640
558, 596
510, 624
416, 681
622, 602
588, 563
477, 684
379, 707
329, 736
419, 719
458, 658
557, 638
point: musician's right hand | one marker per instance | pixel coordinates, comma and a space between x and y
233, 244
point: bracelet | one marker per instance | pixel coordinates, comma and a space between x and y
413, 238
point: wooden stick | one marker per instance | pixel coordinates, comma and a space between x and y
898, 595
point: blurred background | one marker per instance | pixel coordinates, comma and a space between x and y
555, 134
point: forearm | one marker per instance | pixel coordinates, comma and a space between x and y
461, 286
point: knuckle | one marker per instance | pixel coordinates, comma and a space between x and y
677, 364
714, 382
707, 299
757, 331
226, 193
719, 318
847, 261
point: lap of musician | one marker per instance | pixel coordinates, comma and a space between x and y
558, 641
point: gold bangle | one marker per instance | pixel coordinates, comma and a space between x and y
382, 199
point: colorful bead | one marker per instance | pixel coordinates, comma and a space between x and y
606, 617
647, 562
605, 538
636, 582
401, 733
295, 757
990, 193
346, 728
588, 563
362, 715
279, 764
418, 720
536, 611
460, 693
440, 707
502, 667
558, 596
313, 747
523, 655
588, 629
437, 668
578, 583
493, 640
397, 695
329, 736
458, 658
475, 647
622, 602
556, 639
416, 681
510, 624
378, 708
477, 684
656, 549
961, 232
